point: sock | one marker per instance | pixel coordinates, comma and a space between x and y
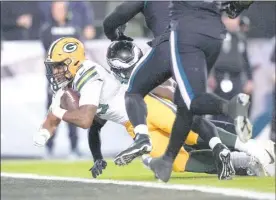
207, 103
214, 141
141, 129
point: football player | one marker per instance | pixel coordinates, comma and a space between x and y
154, 69
102, 96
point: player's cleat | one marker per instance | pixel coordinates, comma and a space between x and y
264, 151
146, 159
269, 147
238, 110
255, 167
162, 168
223, 162
141, 145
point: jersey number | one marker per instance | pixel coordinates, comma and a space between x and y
103, 108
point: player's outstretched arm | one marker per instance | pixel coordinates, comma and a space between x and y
51, 123
94, 142
120, 16
47, 130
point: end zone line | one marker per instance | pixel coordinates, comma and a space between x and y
204, 189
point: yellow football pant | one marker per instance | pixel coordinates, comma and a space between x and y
160, 121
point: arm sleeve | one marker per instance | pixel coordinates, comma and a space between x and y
90, 93
121, 15
94, 140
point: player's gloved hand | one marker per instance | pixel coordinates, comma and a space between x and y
234, 8
98, 167
41, 137
124, 37
55, 106
120, 34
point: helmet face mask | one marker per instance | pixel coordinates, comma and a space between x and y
122, 57
58, 74
122, 75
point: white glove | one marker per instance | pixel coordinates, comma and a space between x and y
55, 107
41, 137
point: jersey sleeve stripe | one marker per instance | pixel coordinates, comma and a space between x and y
83, 75
86, 78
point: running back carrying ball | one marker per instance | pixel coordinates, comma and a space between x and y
70, 99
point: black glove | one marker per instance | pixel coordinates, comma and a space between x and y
98, 167
124, 37
120, 34
234, 8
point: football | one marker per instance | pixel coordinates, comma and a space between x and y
70, 99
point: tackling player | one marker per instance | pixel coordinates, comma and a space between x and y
102, 95
153, 69
195, 41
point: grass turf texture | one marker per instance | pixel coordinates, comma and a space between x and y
133, 172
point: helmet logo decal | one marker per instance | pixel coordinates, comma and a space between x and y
70, 47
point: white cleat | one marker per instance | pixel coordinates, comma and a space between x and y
238, 110
269, 147
264, 151
242, 123
256, 168
243, 128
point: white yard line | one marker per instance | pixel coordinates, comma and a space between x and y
205, 189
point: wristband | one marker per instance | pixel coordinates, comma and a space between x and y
59, 112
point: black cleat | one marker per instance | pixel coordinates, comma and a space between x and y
223, 162
238, 110
162, 168
141, 145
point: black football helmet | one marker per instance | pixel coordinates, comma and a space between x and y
122, 56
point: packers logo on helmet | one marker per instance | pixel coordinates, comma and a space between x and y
64, 58
70, 47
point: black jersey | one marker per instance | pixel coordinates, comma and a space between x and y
156, 15
203, 17
196, 8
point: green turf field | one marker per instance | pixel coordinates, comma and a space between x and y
133, 172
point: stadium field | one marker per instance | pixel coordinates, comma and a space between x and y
133, 172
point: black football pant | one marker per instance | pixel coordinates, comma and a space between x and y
152, 70
192, 56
